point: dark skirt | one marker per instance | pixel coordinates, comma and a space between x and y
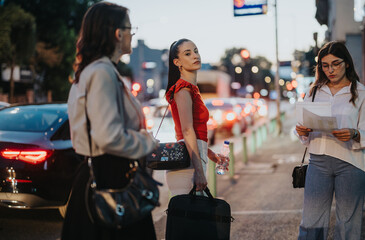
109, 173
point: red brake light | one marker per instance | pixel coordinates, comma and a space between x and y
136, 87
146, 110
29, 156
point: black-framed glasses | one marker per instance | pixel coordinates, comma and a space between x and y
133, 30
334, 66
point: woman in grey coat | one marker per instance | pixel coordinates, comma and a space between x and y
116, 120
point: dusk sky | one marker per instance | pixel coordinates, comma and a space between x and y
213, 28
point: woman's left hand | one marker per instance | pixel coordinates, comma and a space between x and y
344, 134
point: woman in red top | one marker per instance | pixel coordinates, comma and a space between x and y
190, 116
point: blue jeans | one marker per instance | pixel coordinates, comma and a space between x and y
327, 175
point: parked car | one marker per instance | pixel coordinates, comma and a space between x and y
245, 108
154, 111
37, 161
227, 115
4, 104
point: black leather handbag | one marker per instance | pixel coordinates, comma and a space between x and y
118, 208
171, 155
299, 173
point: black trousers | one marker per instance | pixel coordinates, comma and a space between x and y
109, 173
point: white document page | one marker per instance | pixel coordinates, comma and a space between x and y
316, 115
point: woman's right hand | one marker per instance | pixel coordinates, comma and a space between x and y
150, 135
303, 131
200, 181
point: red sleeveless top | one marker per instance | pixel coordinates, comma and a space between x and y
200, 111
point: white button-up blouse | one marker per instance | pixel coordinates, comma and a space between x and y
348, 116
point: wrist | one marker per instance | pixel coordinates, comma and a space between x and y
355, 134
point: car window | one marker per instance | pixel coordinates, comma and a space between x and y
28, 120
63, 133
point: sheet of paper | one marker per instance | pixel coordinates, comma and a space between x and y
318, 123
316, 115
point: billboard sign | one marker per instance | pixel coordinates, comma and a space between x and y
249, 7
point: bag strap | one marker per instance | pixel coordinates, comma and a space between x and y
314, 94
167, 107
206, 190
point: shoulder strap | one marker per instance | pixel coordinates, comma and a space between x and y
314, 94
167, 107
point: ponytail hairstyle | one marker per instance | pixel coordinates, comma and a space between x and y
174, 72
97, 33
339, 50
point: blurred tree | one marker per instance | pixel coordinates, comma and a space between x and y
246, 69
58, 22
306, 61
17, 39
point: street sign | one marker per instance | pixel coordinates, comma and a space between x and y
249, 7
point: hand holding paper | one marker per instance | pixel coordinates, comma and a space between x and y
316, 115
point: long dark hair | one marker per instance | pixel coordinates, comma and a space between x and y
174, 72
339, 50
97, 33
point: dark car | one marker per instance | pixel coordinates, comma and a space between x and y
37, 161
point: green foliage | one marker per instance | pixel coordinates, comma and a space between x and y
17, 36
58, 22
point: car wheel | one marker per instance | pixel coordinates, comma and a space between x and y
236, 129
63, 208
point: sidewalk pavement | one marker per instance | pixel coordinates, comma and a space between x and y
263, 201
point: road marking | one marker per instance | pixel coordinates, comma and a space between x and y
262, 212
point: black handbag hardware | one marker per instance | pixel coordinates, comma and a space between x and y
117, 208
299, 172
171, 155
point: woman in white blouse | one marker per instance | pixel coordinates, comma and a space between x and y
337, 163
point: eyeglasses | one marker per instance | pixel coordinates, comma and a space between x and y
334, 66
133, 30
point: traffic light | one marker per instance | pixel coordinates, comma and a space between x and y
245, 54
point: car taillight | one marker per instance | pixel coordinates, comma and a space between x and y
150, 123
146, 110
29, 156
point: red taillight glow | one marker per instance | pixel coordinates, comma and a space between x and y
150, 123
146, 110
29, 156
136, 87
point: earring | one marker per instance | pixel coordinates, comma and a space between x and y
180, 68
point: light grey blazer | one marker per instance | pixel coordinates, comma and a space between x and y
115, 114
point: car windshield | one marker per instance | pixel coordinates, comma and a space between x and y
29, 119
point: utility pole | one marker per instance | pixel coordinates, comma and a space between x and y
277, 87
